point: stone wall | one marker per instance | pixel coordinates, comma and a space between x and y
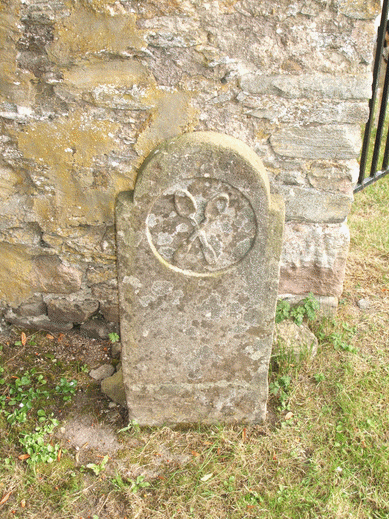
89, 87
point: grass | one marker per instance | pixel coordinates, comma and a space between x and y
323, 453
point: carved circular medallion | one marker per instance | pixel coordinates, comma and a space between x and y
201, 226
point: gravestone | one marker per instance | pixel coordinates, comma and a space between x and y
199, 242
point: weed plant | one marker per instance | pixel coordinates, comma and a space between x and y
22, 404
307, 309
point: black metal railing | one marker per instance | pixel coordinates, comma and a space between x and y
375, 149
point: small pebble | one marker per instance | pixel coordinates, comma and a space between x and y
116, 350
364, 304
104, 371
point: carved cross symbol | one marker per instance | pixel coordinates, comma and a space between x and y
186, 207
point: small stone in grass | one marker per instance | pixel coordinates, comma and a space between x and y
364, 304
102, 372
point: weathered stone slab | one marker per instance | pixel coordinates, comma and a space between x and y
199, 243
102, 372
50, 274
319, 142
286, 110
309, 205
114, 389
40, 322
73, 310
314, 259
308, 85
294, 341
333, 176
360, 9
33, 307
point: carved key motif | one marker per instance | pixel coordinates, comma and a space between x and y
201, 226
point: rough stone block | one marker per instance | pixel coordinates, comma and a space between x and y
319, 142
198, 258
15, 273
76, 310
333, 176
294, 341
41, 322
116, 350
310, 205
107, 294
32, 308
308, 85
102, 372
359, 9
50, 274
314, 259
282, 110
171, 31
110, 311
98, 329
113, 387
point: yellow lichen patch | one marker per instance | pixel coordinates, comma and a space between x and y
362, 9
14, 84
172, 116
85, 33
15, 273
46, 212
67, 142
9, 34
262, 134
67, 147
75, 206
114, 73
101, 6
9, 179
227, 6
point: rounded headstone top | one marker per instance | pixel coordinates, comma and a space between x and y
203, 154
204, 199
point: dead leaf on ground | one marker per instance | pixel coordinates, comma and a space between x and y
23, 457
5, 498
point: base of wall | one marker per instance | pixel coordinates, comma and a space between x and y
99, 328
95, 328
